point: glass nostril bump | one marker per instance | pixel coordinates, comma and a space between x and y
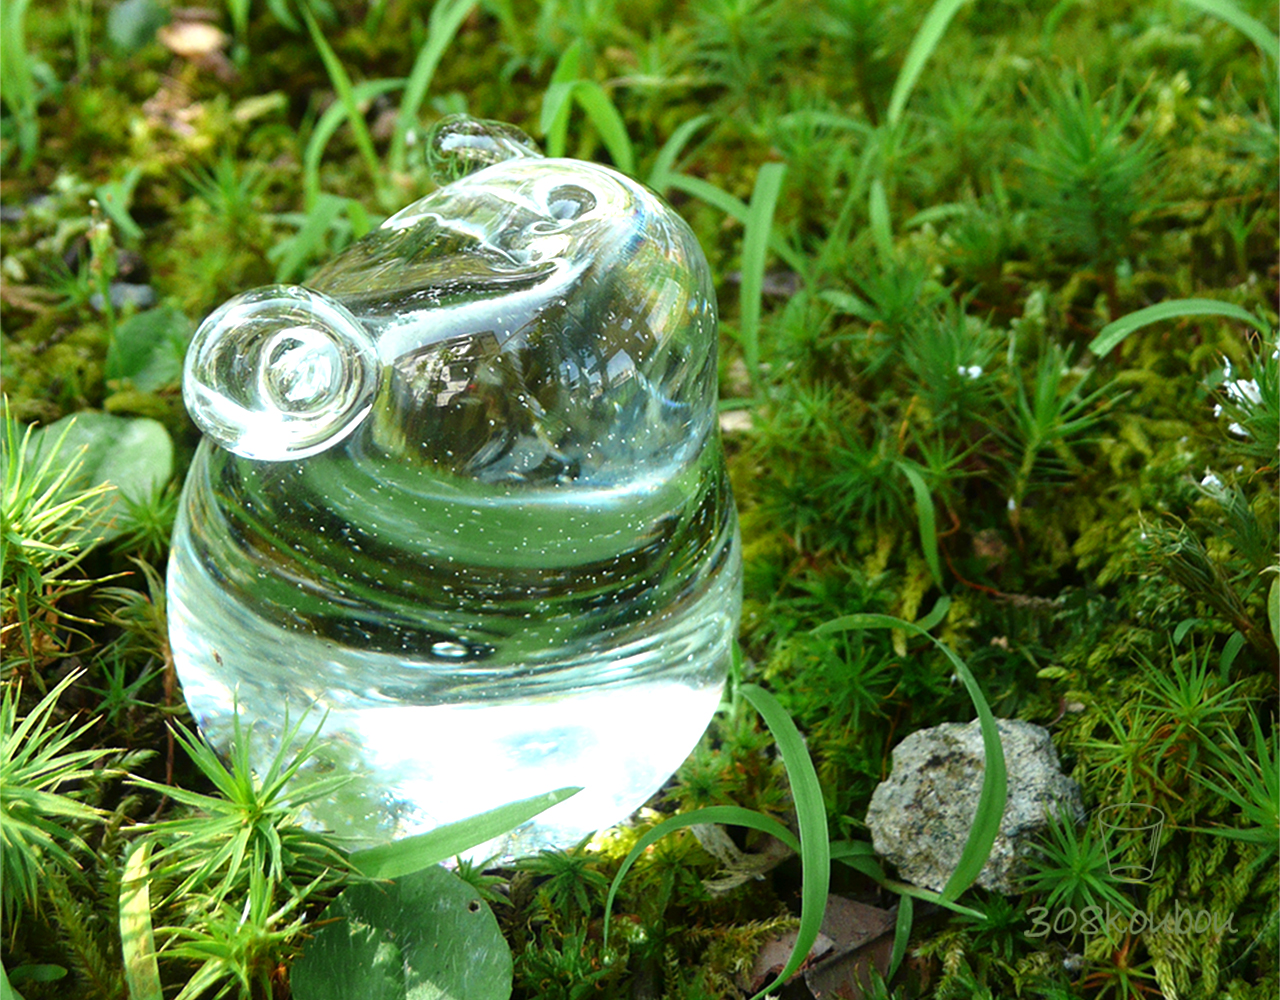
570, 201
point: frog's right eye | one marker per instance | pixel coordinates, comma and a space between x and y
280, 373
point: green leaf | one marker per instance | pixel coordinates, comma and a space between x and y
737, 209
554, 120
137, 938
1183, 627
291, 254
1273, 609
595, 101
342, 84
1113, 333
115, 197
133, 454
7, 992
446, 17
39, 973
925, 516
811, 817
935, 616
901, 934
328, 124
1235, 642
755, 244
426, 936
132, 24
671, 149
860, 856
148, 349
1256, 31
850, 304
415, 853
878, 216
926, 40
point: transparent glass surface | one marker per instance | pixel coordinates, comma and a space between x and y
512, 565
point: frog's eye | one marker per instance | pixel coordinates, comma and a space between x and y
280, 373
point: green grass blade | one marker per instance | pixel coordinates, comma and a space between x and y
415, 853
924, 513
342, 84
329, 123
7, 992
294, 252
446, 17
901, 934
728, 815
878, 216
929, 896
595, 101
665, 162
811, 816
17, 84
922, 46
137, 939
1273, 610
755, 245
554, 119
1238, 19
737, 209
1113, 333
712, 195
991, 801
850, 305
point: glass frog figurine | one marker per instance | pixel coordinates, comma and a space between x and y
462, 497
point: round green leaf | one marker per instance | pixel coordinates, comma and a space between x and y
148, 348
426, 936
135, 455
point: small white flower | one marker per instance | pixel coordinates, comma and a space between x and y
1238, 431
1217, 409
1244, 389
1013, 504
1212, 481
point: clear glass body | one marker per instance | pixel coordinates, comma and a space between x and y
463, 497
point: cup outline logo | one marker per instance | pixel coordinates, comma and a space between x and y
1131, 830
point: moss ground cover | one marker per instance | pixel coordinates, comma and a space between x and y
936, 230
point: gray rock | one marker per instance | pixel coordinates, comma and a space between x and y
124, 293
921, 815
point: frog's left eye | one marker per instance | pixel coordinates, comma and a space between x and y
280, 373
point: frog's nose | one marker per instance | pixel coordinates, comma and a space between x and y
280, 373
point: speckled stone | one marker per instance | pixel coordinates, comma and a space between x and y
920, 816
